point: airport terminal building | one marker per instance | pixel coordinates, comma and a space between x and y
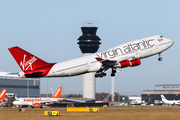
21, 87
170, 91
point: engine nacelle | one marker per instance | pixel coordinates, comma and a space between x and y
36, 105
123, 64
135, 62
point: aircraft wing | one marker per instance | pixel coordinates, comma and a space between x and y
106, 64
111, 63
120, 63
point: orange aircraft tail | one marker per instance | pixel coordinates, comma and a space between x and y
58, 93
2, 95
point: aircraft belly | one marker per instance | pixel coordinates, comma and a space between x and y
94, 67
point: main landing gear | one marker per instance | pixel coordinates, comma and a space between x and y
100, 74
160, 58
113, 72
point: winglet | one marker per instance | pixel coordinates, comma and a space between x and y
99, 59
2, 95
58, 93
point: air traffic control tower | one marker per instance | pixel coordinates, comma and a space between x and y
89, 43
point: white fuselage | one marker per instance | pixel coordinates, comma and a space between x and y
32, 101
141, 48
170, 102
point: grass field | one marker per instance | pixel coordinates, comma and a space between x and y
110, 113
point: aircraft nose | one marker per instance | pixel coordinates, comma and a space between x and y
14, 103
171, 42
168, 42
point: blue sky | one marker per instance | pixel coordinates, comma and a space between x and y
50, 29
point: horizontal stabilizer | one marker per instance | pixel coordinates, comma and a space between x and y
34, 74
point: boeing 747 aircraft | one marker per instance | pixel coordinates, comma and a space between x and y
125, 55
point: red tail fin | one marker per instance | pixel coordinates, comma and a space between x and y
26, 60
2, 95
58, 93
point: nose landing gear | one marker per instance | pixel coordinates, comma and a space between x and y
160, 58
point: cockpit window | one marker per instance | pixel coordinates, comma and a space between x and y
161, 36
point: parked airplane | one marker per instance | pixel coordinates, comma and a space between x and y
2, 96
104, 100
38, 102
125, 55
170, 102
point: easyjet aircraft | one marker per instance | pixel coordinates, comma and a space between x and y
125, 55
2, 96
38, 102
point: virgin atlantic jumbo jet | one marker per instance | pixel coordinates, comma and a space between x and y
121, 56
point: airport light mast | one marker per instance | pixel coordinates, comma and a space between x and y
89, 43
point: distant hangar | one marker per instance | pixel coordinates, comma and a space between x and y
170, 91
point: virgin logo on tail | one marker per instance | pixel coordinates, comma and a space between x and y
25, 65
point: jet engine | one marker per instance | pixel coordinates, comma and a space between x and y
124, 63
135, 62
36, 105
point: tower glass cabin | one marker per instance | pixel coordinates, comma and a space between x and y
89, 42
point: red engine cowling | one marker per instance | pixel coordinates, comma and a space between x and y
36, 105
124, 63
135, 62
